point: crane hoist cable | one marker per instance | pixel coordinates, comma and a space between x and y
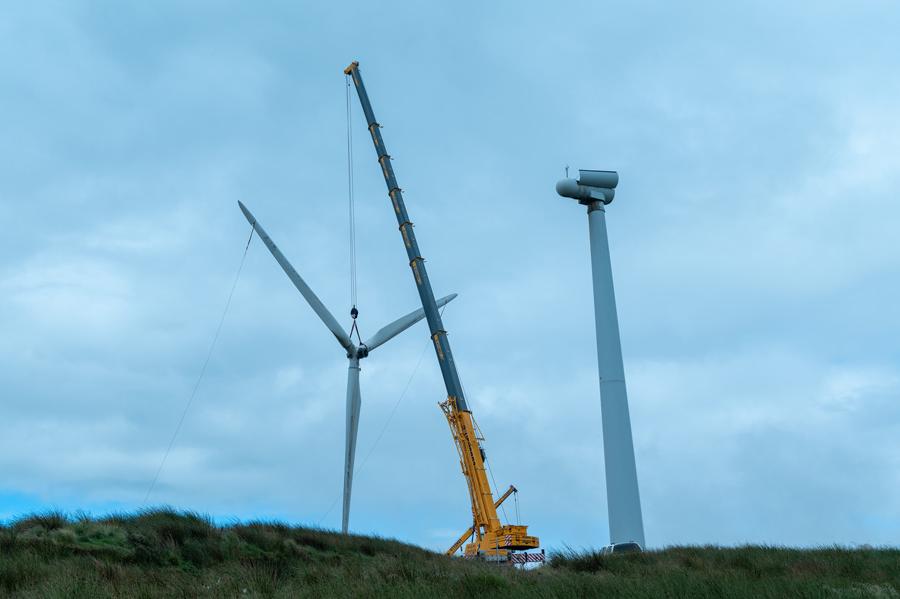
487, 463
496, 488
354, 312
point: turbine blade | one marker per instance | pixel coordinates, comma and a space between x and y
388, 332
353, 404
314, 302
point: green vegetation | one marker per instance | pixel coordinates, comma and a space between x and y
164, 553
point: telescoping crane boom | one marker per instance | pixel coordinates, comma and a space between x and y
492, 540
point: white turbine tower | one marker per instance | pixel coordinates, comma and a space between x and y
594, 190
354, 353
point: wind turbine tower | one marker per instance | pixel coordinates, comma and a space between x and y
595, 190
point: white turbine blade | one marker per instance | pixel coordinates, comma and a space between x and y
353, 403
388, 332
314, 302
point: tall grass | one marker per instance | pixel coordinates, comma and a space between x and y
166, 553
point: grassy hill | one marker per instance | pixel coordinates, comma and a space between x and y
163, 553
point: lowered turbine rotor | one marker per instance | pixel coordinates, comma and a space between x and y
354, 353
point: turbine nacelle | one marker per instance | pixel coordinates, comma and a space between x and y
591, 186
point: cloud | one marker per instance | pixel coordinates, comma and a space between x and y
752, 242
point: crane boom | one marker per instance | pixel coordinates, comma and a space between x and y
492, 540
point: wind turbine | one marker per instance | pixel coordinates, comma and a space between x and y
595, 190
354, 353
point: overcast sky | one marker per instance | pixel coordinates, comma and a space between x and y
755, 241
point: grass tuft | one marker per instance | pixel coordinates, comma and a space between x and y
164, 553
51, 520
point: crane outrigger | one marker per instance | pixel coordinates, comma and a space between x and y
492, 540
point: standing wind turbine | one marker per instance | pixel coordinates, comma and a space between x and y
354, 353
595, 190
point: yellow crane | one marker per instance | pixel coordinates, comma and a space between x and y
491, 539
